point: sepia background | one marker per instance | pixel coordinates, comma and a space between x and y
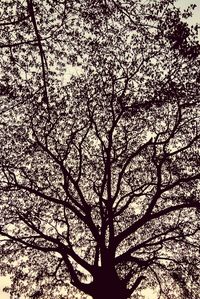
4, 281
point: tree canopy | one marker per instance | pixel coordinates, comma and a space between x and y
99, 173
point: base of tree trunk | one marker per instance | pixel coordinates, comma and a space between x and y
109, 295
108, 288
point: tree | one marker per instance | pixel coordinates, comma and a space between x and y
99, 174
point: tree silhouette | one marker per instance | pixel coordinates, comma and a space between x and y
99, 174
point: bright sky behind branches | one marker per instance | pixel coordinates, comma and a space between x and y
183, 4
195, 19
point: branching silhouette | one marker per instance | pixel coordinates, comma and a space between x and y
99, 174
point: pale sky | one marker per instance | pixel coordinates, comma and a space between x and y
196, 15
194, 20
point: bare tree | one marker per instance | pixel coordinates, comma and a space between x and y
99, 175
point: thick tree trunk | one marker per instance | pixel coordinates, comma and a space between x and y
109, 294
107, 285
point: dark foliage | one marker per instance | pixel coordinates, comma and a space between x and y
99, 173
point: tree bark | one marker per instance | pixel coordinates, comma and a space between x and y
107, 285
109, 294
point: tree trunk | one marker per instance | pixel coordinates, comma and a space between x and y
107, 285
109, 294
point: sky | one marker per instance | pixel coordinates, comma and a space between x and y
183, 4
4, 281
